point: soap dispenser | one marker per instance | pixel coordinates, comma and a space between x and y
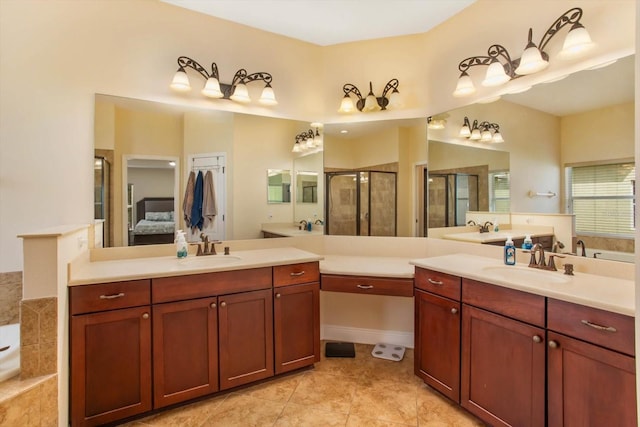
528, 243
509, 252
181, 245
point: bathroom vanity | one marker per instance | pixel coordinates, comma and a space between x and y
150, 333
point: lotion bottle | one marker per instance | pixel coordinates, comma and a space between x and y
509, 252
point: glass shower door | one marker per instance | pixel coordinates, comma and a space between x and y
342, 204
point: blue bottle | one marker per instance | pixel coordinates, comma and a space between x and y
509, 252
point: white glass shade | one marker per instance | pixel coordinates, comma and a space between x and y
475, 134
395, 100
180, 82
268, 97
370, 104
437, 124
576, 43
486, 136
497, 137
496, 75
531, 61
296, 148
317, 140
212, 88
465, 132
465, 86
346, 106
241, 94
309, 143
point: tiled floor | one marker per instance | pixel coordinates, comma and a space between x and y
360, 391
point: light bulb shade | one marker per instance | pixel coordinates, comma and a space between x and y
212, 88
475, 134
346, 106
317, 140
268, 97
531, 61
395, 100
486, 136
576, 43
465, 86
308, 143
496, 75
296, 148
240, 93
370, 103
180, 82
465, 132
497, 137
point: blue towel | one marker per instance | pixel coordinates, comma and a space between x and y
196, 209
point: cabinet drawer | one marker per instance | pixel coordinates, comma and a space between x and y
518, 305
445, 285
367, 285
294, 274
166, 289
109, 296
601, 327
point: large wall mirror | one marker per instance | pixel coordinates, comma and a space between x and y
585, 119
172, 141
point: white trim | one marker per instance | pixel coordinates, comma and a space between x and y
365, 336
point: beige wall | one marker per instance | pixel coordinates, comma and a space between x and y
90, 47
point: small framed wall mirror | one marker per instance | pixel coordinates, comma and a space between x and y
306, 187
278, 186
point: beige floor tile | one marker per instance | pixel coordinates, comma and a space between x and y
301, 416
325, 392
358, 421
193, 415
244, 411
434, 410
387, 400
277, 390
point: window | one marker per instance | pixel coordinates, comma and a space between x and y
602, 197
500, 192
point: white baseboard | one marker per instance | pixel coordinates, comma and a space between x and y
365, 336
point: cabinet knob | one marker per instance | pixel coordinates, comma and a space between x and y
537, 339
223, 304
145, 316
213, 305
454, 310
553, 344
278, 295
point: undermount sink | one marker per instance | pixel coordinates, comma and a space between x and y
208, 260
525, 274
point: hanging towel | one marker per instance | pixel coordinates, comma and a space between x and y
209, 207
187, 202
196, 209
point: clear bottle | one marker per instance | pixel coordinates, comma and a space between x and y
509, 252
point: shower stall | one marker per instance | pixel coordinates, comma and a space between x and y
361, 203
451, 195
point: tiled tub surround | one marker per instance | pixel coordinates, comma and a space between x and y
29, 403
10, 297
38, 331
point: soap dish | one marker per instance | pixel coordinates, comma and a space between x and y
388, 351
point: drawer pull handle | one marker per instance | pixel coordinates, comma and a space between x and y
297, 274
435, 282
365, 286
114, 296
600, 327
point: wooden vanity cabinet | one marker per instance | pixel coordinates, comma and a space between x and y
437, 331
503, 355
110, 341
591, 367
296, 316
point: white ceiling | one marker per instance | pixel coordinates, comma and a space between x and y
328, 22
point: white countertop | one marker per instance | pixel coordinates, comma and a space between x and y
493, 236
607, 293
291, 230
367, 266
164, 266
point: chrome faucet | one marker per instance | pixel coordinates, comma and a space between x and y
584, 249
540, 262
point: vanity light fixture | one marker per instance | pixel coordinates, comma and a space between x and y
483, 131
371, 102
436, 122
309, 141
236, 91
501, 68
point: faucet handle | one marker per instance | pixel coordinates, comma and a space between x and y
213, 246
552, 264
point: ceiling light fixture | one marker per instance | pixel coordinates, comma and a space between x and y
483, 131
501, 68
236, 91
309, 141
371, 102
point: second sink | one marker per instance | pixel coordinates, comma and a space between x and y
524, 274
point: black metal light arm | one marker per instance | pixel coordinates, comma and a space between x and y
349, 88
186, 62
571, 16
496, 52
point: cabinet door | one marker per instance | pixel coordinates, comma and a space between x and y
589, 385
185, 350
110, 365
503, 369
297, 326
437, 343
245, 332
